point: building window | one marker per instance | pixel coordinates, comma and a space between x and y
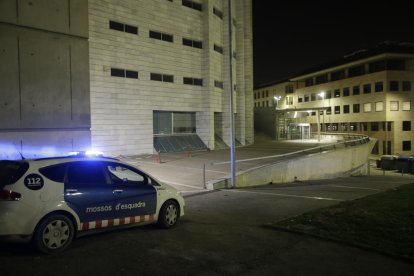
406, 145
193, 43
193, 81
346, 108
406, 125
306, 98
344, 127
218, 13
123, 27
379, 86
406, 106
363, 126
355, 108
367, 107
167, 123
394, 106
116, 72
161, 77
313, 97
337, 109
353, 126
345, 92
300, 99
289, 89
289, 100
394, 86
309, 82
374, 126
328, 94
218, 49
328, 110
321, 79
337, 93
192, 4
367, 88
355, 90
161, 36
338, 75
219, 84
379, 106
356, 71
406, 86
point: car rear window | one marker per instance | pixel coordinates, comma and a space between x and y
55, 172
11, 171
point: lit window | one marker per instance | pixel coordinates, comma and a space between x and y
379, 106
394, 106
406, 106
367, 107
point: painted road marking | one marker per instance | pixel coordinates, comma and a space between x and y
360, 188
288, 195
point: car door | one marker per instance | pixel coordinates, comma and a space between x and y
88, 191
134, 195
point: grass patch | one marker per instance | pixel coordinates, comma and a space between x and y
384, 222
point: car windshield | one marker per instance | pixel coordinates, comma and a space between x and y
11, 171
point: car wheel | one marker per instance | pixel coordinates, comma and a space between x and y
169, 214
53, 234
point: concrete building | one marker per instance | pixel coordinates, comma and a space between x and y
368, 92
124, 77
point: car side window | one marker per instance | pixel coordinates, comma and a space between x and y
123, 174
86, 173
55, 172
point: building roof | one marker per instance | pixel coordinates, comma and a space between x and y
381, 48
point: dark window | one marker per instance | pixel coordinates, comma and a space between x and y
367, 88
55, 173
337, 109
356, 108
309, 82
116, 26
288, 89
346, 108
406, 86
218, 49
379, 86
353, 126
355, 90
396, 64
11, 171
116, 72
337, 93
156, 77
218, 84
161, 36
338, 75
131, 29
313, 97
217, 12
374, 126
356, 71
167, 78
329, 110
192, 43
131, 74
406, 125
345, 92
321, 79
406, 145
306, 98
193, 81
192, 4
86, 173
328, 94
394, 86
377, 66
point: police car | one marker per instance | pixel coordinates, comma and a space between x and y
50, 201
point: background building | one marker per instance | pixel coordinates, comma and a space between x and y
368, 92
125, 77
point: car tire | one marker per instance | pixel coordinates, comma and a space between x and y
169, 214
53, 234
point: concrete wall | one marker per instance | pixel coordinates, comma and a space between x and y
44, 77
351, 160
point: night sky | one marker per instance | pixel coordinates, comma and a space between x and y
291, 36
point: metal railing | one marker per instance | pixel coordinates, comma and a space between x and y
347, 140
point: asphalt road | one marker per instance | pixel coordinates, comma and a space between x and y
223, 233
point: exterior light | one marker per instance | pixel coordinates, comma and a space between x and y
322, 94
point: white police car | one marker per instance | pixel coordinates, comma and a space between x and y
52, 200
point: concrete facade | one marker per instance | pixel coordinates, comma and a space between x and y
61, 60
123, 108
44, 77
370, 92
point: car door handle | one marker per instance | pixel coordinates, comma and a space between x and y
117, 191
71, 191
